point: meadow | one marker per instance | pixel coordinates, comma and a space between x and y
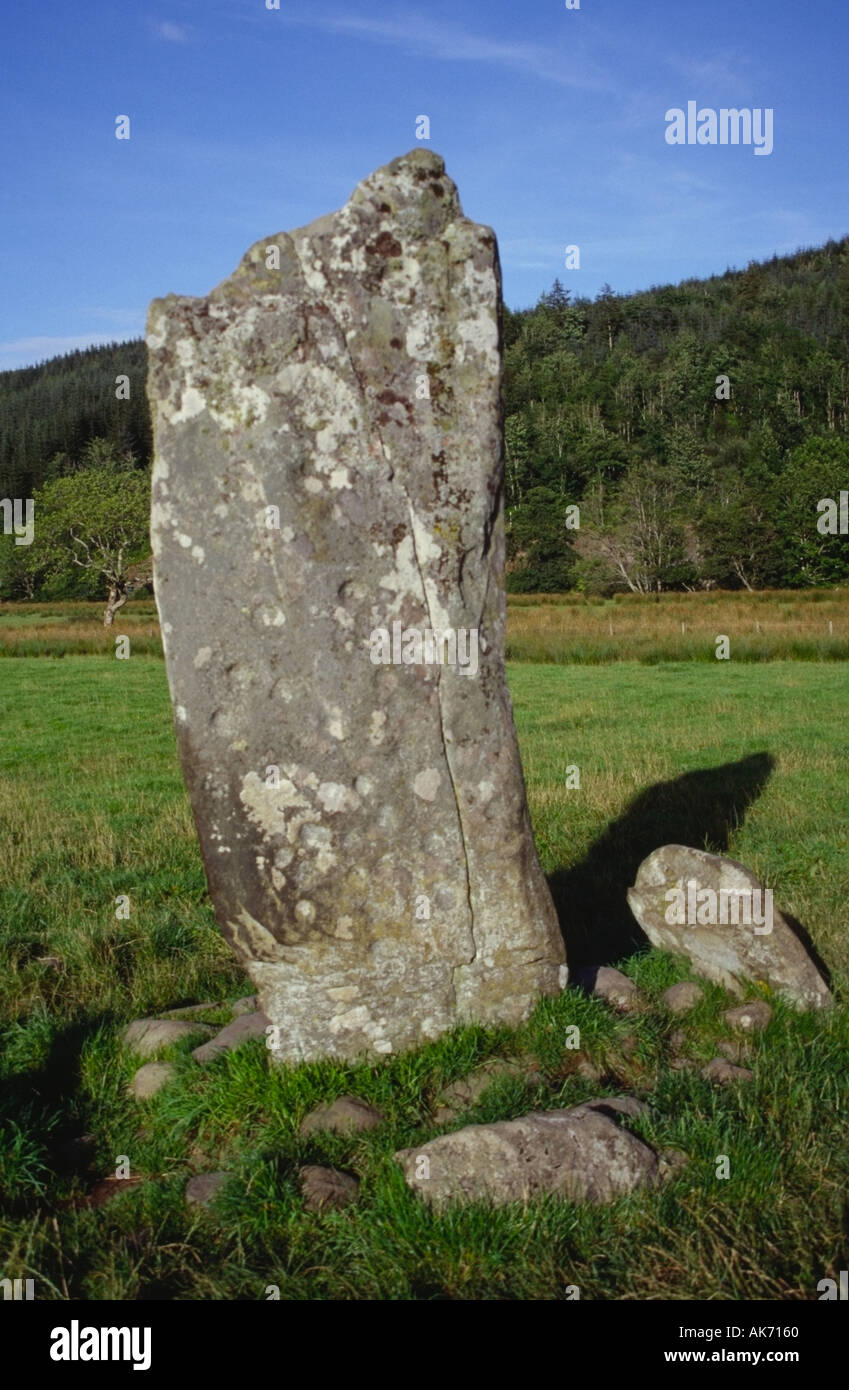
747, 756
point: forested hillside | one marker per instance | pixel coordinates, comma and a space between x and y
682, 478
49, 413
679, 437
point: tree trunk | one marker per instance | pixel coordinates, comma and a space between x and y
117, 599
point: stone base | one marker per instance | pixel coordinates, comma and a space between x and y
324, 1009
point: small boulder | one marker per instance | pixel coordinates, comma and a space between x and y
188, 1010
671, 1161
150, 1078
248, 1004
345, 1115
749, 1018
244, 1027
715, 912
145, 1036
683, 997
735, 1049
721, 1071
327, 1187
462, 1094
612, 1105
584, 1154
603, 982
204, 1188
588, 1070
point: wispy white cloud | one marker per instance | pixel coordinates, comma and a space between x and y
35, 349
172, 33
425, 37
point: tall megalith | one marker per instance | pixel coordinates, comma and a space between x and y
329, 552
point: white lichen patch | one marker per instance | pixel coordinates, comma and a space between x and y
198, 553
343, 928
202, 656
354, 1018
343, 994
378, 726
313, 485
191, 404
268, 806
181, 714
335, 797
405, 579
272, 617
255, 939
426, 784
337, 726
248, 406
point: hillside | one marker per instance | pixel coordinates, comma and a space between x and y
615, 404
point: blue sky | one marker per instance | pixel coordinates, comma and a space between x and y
247, 121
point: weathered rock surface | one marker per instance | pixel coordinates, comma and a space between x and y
327, 1187
584, 1154
151, 1078
681, 998
146, 1036
721, 1071
460, 1095
189, 1010
328, 464
753, 1017
723, 952
243, 1027
345, 1115
204, 1188
616, 989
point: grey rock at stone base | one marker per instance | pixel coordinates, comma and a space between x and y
583, 1154
188, 1011
588, 1070
724, 953
248, 1004
616, 989
244, 1027
204, 1188
327, 1187
353, 386
753, 1017
721, 1071
145, 1036
460, 1095
345, 1115
151, 1078
683, 997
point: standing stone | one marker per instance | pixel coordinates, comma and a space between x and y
327, 493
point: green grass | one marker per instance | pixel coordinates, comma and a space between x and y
749, 760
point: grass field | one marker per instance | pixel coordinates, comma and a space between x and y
745, 758
564, 629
